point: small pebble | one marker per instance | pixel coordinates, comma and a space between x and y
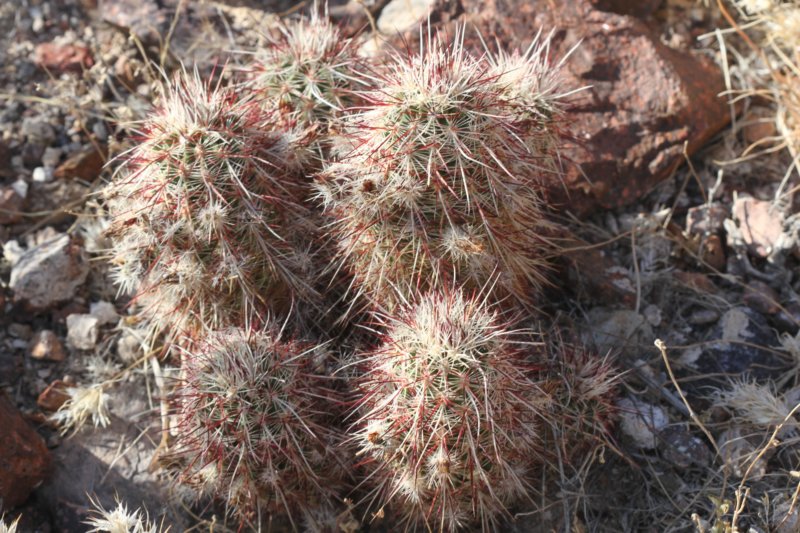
46, 346
38, 129
82, 331
20, 331
51, 157
641, 421
652, 314
100, 131
38, 19
105, 312
42, 174
702, 317
21, 188
19, 344
129, 348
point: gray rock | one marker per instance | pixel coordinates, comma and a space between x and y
129, 348
49, 273
401, 15
82, 331
37, 129
618, 331
641, 421
51, 157
682, 449
105, 312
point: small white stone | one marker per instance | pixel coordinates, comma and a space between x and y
20, 187
129, 348
82, 331
12, 251
641, 421
401, 15
42, 174
105, 312
100, 131
38, 19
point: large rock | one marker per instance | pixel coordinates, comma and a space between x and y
49, 273
24, 459
644, 101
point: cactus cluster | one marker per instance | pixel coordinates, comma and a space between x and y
208, 216
431, 197
437, 182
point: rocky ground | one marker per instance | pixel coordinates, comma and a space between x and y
673, 242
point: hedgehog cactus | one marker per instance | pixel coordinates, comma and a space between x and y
439, 175
451, 415
308, 69
584, 386
256, 426
200, 213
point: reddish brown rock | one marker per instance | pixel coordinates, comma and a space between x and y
53, 397
46, 346
695, 281
761, 297
759, 126
644, 101
85, 164
25, 459
760, 224
10, 206
712, 252
63, 57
